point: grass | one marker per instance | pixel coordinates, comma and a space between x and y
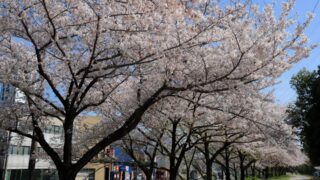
252, 178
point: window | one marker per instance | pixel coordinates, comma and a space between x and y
48, 129
53, 129
14, 150
19, 150
26, 150
7, 93
2, 90
56, 129
10, 150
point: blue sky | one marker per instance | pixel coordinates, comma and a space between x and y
283, 92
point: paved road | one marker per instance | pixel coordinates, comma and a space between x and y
299, 177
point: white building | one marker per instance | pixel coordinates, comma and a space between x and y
15, 150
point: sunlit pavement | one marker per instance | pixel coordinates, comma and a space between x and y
300, 177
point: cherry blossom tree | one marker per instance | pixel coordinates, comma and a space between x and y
143, 150
178, 122
276, 150
246, 132
118, 59
186, 122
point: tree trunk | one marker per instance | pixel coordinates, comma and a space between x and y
242, 168
235, 171
267, 173
188, 172
259, 173
172, 170
67, 175
275, 173
253, 170
173, 174
68, 134
32, 159
148, 176
209, 170
242, 171
227, 165
209, 161
147, 172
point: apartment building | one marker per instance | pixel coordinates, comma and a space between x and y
7, 94
17, 156
15, 151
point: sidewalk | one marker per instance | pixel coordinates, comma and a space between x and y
299, 177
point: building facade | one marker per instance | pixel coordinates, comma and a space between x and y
111, 164
7, 94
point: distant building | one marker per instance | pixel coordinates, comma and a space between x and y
17, 155
111, 164
7, 96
